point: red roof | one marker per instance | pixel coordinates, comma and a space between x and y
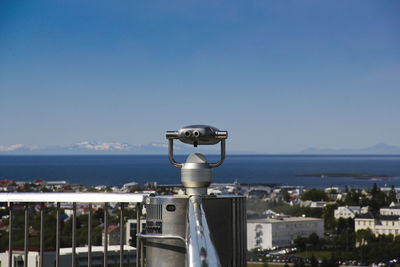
111, 228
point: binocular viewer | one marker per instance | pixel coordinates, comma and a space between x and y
196, 172
198, 135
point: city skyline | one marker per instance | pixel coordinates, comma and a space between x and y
279, 76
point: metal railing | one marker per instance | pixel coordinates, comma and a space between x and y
201, 250
87, 198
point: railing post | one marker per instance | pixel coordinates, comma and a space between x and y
73, 234
26, 247
138, 239
58, 231
121, 236
90, 236
105, 233
10, 236
41, 234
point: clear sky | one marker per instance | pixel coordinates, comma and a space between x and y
280, 76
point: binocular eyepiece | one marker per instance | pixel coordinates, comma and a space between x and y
198, 135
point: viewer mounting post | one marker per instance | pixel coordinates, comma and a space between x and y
195, 229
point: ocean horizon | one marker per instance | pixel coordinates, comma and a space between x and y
110, 170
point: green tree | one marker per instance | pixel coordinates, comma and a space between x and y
285, 195
328, 213
313, 240
392, 195
315, 195
300, 242
313, 262
364, 236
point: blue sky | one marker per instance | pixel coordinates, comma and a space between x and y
280, 76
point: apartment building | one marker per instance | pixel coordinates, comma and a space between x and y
378, 223
280, 231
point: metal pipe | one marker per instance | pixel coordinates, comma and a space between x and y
10, 236
162, 237
138, 240
244, 225
90, 236
171, 154
142, 253
58, 235
234, 232
41, 234
222, 159
201, 251
72, 197
121, 237
26, 235
105, 234
73, 234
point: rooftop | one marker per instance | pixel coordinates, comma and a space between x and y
282, 219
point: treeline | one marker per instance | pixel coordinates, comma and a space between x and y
373, 198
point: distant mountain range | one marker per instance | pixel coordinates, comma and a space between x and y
86, 147
107, 148
379, 149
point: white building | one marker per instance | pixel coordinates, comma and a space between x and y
379, 224
349, 211
390, 211
131, 230
66, 257
267, 233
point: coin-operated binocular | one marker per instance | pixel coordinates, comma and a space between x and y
195, 229
196, 174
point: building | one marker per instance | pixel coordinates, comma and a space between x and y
131, 230
378, 223
314, 204
346, 212
66, 257
113, 235
390, 211
268, 233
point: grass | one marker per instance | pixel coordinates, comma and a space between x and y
262, 264
317, 254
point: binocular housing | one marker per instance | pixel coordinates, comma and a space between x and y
198, 135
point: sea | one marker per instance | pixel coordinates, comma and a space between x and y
116, 170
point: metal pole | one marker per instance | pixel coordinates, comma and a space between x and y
10, 236
73, 234
121, 237
26, 235
90, 236
58, 231
41, 234
105, 233
200, 249
138, 239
